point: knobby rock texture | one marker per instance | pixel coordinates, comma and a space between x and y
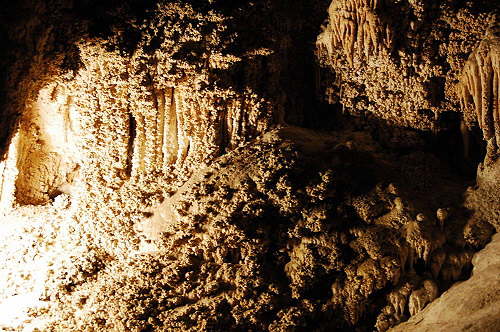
249, 166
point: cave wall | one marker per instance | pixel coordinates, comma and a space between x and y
47, 157
169, 93
117, 105
398, 61
151, 76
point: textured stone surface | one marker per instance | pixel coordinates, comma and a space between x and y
150, 178
294, 229
472, 305
397, 61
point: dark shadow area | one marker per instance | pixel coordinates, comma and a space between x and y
461, 149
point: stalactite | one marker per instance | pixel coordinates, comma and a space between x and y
151, 136
479, 88
171, 138
182, 125
357, 30
160, 128
138, 159
132, 134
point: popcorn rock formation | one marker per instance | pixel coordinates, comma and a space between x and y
271, 237
451, 313
215, 166
396, 61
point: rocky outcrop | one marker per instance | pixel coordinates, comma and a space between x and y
285, 226
486, 194
479, 312
47, 160
161, 97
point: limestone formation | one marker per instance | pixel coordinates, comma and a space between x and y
463, 307
358, 30
479, 87
379, 59
235, 166
419, 298
442, 215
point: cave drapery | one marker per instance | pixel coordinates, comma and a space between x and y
248, 166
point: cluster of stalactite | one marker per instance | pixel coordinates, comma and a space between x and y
401, 78
178, 186
479, 88
160, 111
357, 30
155, 125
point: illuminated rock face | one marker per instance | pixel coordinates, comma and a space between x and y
164, 110
47, 158
155, 179
157, 122
284, 225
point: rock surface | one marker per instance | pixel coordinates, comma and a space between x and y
479, 87
236, 166
471, 305
295, 229
400, 61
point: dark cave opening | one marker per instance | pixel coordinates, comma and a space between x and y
461, 147
420, 266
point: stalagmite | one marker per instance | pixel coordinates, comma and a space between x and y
421, 297
442, 215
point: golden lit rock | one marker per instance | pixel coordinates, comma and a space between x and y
236, 166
